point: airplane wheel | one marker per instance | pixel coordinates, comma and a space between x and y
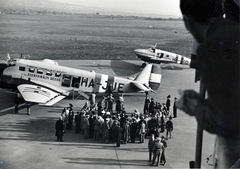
143, 65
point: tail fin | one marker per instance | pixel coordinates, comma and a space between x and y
144, 75
149, 79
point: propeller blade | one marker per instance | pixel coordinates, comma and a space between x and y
8, 59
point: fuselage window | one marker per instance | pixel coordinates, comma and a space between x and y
22, 68
161, 56
167, 56
40, 71
66, 82
57, 74
75, 82
31, 70
49, 73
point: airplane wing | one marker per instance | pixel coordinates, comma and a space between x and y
142, 87
43, 94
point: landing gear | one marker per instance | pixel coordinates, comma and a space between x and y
146, 94
143, 65
28, 105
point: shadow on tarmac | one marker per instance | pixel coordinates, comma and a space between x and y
106, 161
96, 145
30, 130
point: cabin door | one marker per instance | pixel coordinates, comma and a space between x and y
66, 80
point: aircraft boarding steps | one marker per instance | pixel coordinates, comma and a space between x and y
81, 93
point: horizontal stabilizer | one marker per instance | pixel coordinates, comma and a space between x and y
142, 87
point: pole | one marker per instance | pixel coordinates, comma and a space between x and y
202, 91
199, 137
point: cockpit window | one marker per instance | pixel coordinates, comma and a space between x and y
12, 63
21, 68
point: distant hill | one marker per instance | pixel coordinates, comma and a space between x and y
48, 5
41, 5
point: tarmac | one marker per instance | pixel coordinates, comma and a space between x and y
29, 141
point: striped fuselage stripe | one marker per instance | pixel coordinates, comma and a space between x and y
97, 84
110, 80
103, 86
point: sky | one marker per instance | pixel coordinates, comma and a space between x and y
166, 7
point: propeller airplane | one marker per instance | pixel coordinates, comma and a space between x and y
153, 55
46, 82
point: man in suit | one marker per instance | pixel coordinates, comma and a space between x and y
157, 151
59, 128
175, 108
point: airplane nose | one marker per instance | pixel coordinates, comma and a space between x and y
137, 50
4, 80
3, 66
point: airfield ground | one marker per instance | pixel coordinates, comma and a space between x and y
73, 37
91, 43
28, 141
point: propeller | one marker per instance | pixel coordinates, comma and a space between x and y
154, 47
8, 59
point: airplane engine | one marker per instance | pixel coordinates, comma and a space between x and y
155, 77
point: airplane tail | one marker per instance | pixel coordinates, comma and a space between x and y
149, 79
155, 77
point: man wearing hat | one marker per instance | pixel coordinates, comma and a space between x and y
126, 128
157, 151
86, 126
169, 127
163, 158
105, 129
175, 108
59, 128
70, 107
118, 135
168, 103
151, 106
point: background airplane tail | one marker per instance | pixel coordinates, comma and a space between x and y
155, 77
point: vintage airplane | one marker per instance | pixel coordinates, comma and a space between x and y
46, 82
153, 55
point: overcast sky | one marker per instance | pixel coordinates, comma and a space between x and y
167, 7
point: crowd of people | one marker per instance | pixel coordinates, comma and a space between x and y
100, 122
